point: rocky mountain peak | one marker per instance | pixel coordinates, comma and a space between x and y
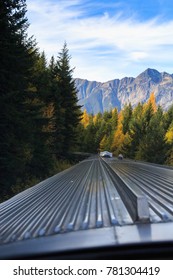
99, 97
150, 74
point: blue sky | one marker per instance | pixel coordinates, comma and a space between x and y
106, 39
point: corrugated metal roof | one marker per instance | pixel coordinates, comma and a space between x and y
93, 194
155, 182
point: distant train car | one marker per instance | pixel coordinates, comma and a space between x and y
106, 154
120, 156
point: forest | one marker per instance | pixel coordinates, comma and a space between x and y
142, 133
38, 105
41, 122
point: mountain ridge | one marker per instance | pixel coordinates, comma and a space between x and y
104, 96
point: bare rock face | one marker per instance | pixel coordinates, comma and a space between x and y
99, 97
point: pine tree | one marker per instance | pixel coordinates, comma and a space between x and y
168, 125
135, 132
89, 137
114, 120
152, 145
99, 129
42, 161
127, 116
16, 56
55, 110
146, 117
168, 118
66, 105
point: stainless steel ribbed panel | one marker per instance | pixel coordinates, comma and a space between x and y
91, 195
154, 181
83, 197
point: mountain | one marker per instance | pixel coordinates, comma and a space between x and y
99, 97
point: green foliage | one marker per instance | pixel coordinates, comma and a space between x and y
66, 111
127, 116
89, 137
16, 55
168, 118
143, 133
152, 146
98, 133
135, 133
168, 124
38, 104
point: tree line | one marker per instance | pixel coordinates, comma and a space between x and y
38, 104
142, 133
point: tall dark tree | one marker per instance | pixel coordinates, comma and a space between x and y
42, 162
16, 56
168, 125
135, 128
152, 146
57, 125
127, 116
67, 112
168, 117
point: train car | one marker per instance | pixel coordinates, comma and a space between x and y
106, 154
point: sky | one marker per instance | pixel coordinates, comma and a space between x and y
108, 39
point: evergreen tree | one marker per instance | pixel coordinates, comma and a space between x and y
107, 122
152, 145
146, 116
168, 125
67, 112
114, 120
127, 116
56, 111
89, 137
146, 130
168, 118
16, 56
99, 130
135, 133
42, 161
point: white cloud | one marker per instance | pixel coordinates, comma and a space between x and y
138, 56
103, 47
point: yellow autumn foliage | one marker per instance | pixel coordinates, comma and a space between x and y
169, 135
85, 119
103, 143
118, 136
151, 101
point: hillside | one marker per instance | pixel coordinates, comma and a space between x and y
99, 97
